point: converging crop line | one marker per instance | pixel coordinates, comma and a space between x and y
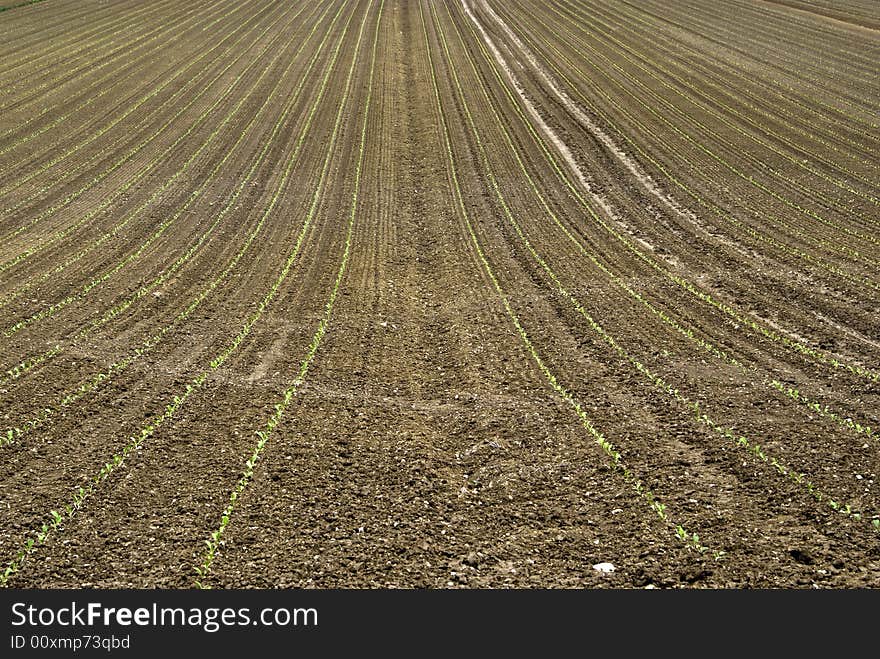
203, 570
691, 540
55, 518
793, 344
96, 380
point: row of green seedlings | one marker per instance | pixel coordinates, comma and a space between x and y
26, 365
662, 385
794, 68
33, 35
810, 129
75, 47
152, 164
83, 292
72, 76
823, 410
104, 85
20, 4
145, 84
722, 88
73, 41
625, 51
72, 169
710, 206
842, 49
559, 172
687, 332
203, 570
746, 323
137, 440
615, 459
95, 381
797, 31
52, 46
107, 203
760, 236
804, 234
82, 493
58, 19
19, 227
119, 162
849, 67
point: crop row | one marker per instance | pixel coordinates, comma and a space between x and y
729, 35
20, 4
691, 408
767, 103
153, 163
93, 382
612, 453
848, 61
82, 44
161, 37
203, 570
70, 170
695, 91
55, 518
691, 165
741, 320
630, 55
55, 21
668, 318
118, 163
160, 190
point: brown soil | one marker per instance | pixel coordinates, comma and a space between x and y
473, 240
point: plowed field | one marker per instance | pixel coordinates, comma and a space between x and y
474, 293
